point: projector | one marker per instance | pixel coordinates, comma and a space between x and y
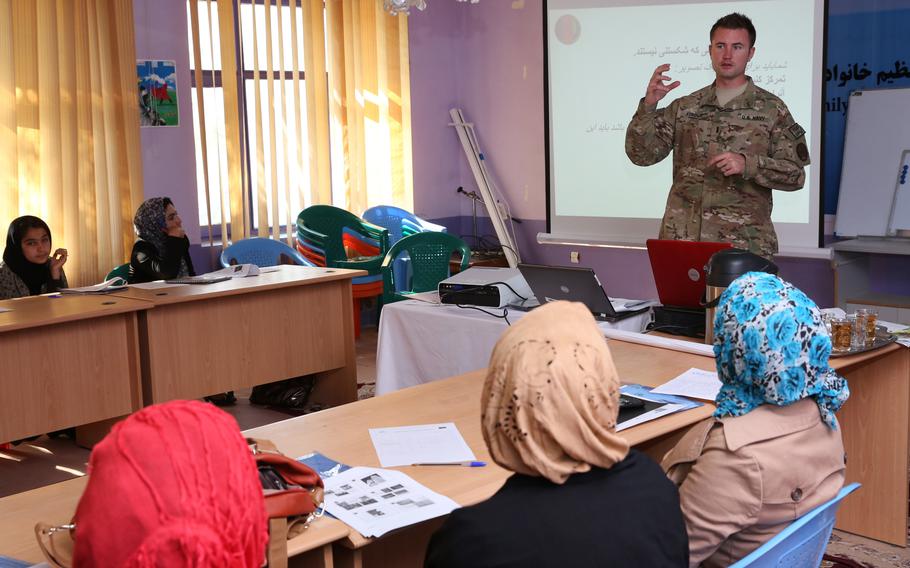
485, 286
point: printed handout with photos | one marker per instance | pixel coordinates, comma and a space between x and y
375, 501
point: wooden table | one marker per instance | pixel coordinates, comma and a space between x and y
67, 361
205, 339
876, 430
342, 434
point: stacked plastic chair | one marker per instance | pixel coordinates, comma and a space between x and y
332, 237
262, 252
429, 254
400, 223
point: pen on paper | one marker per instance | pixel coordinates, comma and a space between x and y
461, 463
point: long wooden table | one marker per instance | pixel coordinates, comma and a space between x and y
67, 361
342, 434
205, 339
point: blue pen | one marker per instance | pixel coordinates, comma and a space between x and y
464, 463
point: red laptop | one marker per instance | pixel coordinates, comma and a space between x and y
679, 270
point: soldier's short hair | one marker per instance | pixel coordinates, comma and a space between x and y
735, 21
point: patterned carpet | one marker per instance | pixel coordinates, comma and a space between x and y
846, 550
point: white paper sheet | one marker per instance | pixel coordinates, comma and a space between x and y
115, 283
155, 285
648, 416
5, 310
694, 383
375, 501
621, 305
431, 297
424, 443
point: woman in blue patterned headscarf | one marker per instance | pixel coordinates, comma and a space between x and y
772, 347
772, 451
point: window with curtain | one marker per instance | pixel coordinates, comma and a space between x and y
297, 102
69, 126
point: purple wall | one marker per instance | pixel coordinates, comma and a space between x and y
168, 152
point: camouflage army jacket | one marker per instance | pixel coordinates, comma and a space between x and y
703, 205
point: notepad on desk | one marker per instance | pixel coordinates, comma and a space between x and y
656, 406
694, 383
423, 443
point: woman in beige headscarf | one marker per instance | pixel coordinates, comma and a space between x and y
579, 496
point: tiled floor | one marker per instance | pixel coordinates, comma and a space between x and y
46, 460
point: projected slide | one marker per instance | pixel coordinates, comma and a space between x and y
601, 54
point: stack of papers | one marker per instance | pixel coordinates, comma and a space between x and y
115, 283
656, 405
375, 501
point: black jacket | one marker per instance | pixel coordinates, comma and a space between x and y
627, 515
146, 264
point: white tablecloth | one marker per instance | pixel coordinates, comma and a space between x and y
421, 342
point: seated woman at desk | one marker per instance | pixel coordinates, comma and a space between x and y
773, 451
163, 249
579, 496
28, 267
173, 485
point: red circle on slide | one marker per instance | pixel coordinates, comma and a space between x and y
568, 29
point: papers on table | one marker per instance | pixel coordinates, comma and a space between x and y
325, 466
431, 297
115, 283
665, 404
425, 443
5, 310
375, 501
155, 285
236, 271
695, 383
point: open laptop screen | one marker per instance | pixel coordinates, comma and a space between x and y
679, 270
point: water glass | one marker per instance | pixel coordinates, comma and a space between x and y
858, 340
841, 334
871, 319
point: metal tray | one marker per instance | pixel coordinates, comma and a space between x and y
882, 338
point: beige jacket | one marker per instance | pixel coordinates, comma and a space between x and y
743, 479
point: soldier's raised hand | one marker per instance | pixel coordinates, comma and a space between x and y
658, 86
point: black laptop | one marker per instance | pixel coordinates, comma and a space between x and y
551, 283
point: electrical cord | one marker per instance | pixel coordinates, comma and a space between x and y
505, 309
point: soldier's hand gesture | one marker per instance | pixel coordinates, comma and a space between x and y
658, 86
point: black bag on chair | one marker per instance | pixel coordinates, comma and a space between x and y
289, 393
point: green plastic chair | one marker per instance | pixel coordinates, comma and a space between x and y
123, 271
430, 254
326, 230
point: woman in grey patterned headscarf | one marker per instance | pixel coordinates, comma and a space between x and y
162, 251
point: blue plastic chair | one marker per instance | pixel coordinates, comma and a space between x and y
802, 544
261, 252
400, 223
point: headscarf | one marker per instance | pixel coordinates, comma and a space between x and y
150, 223
772, 347
551, 396
174, 484
33, 275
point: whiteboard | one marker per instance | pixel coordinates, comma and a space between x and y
873, 200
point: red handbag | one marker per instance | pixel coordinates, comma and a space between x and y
293, 496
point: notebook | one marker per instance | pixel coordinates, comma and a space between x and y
679, 270
551, 283
204, 279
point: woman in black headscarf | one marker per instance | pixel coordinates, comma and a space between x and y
163, 249
28, 266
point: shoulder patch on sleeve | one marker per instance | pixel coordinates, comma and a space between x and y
802, 152
795, 131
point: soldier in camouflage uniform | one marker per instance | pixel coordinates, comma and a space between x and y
726, 156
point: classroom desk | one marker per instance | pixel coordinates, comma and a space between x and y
342, 433
67, 361
876, 430
421, 342
56, 504
205, 339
